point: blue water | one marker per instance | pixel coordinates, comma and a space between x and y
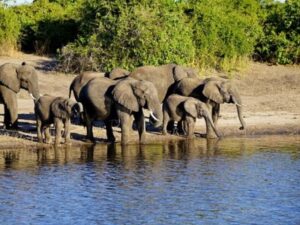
239, 181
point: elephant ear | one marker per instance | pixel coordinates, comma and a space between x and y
190, 107
9, 78
211, 90
60, 108
123, 94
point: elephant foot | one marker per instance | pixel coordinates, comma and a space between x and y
111, 139
89, 140
211, 136
190, 136
68, 141
142, 141
124, 142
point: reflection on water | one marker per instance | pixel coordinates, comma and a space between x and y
230, 181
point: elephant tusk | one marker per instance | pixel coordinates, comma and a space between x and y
154, 117
33, 97
240, 105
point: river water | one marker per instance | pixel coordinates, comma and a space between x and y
230, 181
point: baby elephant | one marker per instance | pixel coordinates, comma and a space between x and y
186, 109
58, 111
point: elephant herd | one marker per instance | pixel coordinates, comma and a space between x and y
171, 93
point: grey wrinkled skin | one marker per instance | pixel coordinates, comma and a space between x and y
186, 109
163, 77
58, 111
107, 100
13, 77
212, 91
83, 78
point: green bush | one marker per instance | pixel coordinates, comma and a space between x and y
223, 30
133, 34
9, 30
280, 42
47, 26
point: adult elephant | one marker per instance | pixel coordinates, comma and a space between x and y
213, 91
107, 99
83, 78
163, 77
12, 78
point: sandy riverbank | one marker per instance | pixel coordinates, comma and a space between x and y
271, 95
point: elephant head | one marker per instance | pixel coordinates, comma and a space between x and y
223, 91
117, 73
66, 108
180, 72
136, 94
24, 76
198, 109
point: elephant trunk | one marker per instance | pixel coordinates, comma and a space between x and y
239, 108
34, 92
155, 112
209, 121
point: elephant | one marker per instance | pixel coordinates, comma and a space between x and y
13, 77
163, 77
117, 73
80, 80
83, 78
188, 109
107, 99
58, 111
212, 91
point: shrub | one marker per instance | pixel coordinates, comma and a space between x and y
9, 30
47, 26
223, 30
280, 42
133, 34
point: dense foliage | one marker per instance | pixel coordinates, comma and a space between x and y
280, 42
101, 35
9, 29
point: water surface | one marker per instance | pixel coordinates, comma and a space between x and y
231, 181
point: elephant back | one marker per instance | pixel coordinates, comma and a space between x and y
9, 78
189, 87
161, 76
42, 107
96, 96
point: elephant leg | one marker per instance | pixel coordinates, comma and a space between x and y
125, 126
181, 127
89, 129
67, 131
214, 110
171, 127
140, 120
47, 134
39, 130
6, 117
190, 122
58, 128
109, 131
216, 113
165, 123
10, 112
